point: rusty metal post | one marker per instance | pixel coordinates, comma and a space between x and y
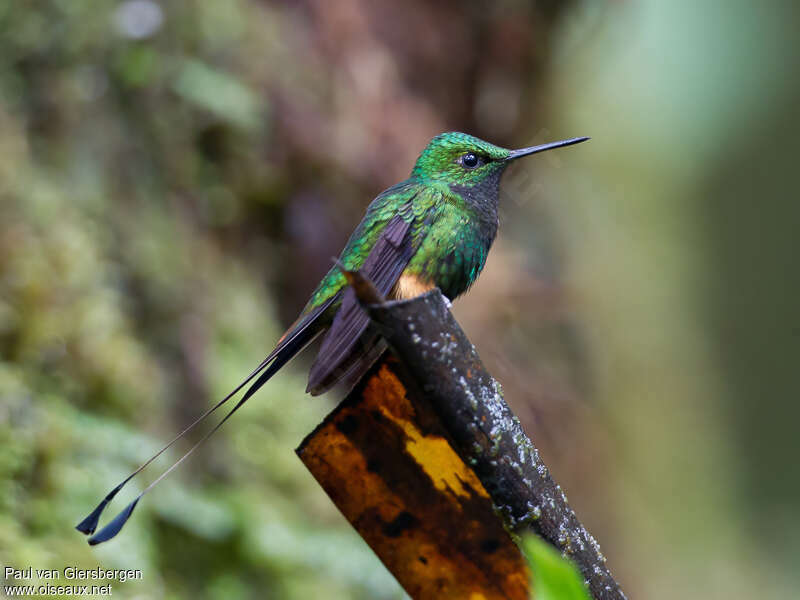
469, 403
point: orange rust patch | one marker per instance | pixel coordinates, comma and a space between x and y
387, 464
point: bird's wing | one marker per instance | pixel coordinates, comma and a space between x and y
345, 349
381, 248
371, 346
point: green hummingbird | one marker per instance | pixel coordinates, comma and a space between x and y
434, 229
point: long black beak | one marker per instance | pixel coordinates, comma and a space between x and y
515, 154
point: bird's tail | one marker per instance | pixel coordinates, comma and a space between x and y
297, 337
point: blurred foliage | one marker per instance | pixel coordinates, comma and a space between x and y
174, 178
554, 577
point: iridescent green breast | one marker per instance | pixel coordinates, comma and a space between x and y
454, 248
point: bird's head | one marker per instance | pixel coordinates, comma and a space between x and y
464, 160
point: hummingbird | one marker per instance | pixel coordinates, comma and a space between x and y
432, 230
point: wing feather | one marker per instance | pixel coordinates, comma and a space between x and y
338, 356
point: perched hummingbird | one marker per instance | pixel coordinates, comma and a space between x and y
432, 230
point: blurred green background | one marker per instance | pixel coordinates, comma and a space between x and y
174, 178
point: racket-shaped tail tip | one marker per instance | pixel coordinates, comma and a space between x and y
114, 527
89, 524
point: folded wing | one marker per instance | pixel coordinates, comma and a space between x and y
350, 346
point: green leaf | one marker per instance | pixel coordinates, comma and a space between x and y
553, 576
218, 92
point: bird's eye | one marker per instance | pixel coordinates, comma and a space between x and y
470, 160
